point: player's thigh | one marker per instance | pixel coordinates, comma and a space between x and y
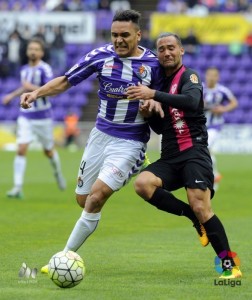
198, 172
121, 157
167, 172
91, 162
24, 131
44, 132
213, 135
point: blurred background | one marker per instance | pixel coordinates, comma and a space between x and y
214, 33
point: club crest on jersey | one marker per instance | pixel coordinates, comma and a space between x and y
142, 72
80, 182
194, 78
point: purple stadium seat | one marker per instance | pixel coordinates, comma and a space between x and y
59, 114
71, 49
245, 63
10, 84
2, 113
79, 100
162, 5
13, 113
225, 77
86, 86
207, 50
241, 76
188, 60
221, 51
235, 117
76, 110
236, 88
244, 102
103, 19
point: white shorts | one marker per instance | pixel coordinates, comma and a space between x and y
110, 159
213, 135
28, 129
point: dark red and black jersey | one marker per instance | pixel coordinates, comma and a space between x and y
184, 124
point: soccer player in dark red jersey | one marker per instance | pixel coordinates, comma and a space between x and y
185, 160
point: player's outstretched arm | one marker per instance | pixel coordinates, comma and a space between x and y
54, 87
9, 97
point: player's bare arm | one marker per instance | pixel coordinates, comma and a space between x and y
29, 87
9, 97
51, 88
220, 109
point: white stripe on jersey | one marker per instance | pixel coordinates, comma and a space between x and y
108, 67
103, 108
127, 69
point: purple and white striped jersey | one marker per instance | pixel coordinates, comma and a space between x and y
212, 98
37, 75
118, 116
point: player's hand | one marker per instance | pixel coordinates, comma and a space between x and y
144, 109
140, 92
26, 99
218, 110
148, 107
7, 99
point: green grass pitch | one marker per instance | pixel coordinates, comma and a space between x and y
137, 252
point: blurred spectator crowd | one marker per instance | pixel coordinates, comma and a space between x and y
204, 7
62, 55
62, 5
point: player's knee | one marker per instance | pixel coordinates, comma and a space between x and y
96, 201
22, 149
48, 153
142, 185
81, 199
198, 207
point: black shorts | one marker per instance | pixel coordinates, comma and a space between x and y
192, 169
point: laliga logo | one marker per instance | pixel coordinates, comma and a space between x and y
228, 255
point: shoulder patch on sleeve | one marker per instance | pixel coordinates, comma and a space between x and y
194, 78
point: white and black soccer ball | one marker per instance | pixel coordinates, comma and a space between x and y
66, 269
227, 263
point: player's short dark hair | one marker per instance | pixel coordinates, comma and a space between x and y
38, 41
212, 68
166, 34
128, 15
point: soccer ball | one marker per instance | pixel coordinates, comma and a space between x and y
66, 269
227, 263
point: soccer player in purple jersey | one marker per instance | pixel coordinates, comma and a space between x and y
185, 160
36, 121
116, 146
218, 99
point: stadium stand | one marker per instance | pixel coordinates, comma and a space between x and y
236, 71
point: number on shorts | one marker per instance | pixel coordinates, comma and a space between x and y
82, 166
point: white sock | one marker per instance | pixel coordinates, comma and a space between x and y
55, 162
83, 228
19, 170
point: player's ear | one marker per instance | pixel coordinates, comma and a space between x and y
139, 35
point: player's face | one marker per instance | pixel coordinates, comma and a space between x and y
212, 77
34, 52
125, 37
169, 53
